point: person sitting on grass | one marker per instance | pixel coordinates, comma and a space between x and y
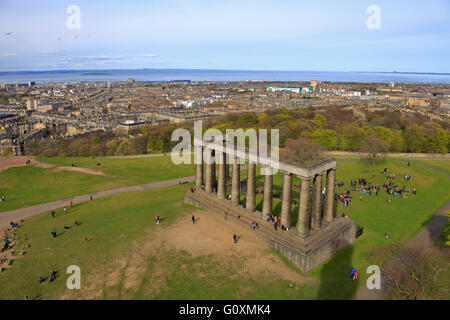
352, 272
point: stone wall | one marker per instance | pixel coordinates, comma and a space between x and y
307, 254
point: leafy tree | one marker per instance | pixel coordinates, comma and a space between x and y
384, 134
351, 137
414, 138
111, 146
320, 120
325, 137
155, 144
247, 119
263, 119
122, 148
397, 143
283, 117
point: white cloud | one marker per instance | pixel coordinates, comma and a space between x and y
4, 55
149, 55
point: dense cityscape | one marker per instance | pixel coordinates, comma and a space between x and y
43, 112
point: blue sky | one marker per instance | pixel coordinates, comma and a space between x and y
322, 35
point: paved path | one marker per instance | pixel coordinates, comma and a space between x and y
14, 215
403, 261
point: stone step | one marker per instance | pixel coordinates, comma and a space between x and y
266, 229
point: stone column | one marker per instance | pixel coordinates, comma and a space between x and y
214, 172
268, 192
222, 177
199, 176
236, 182
227, 167
209, 173
286, 204
304, 216
251, 186
316, 203
199, 168
329, 196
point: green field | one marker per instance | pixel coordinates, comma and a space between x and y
116, 224
443, 166
25, 186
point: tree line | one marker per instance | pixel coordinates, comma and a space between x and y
333, 129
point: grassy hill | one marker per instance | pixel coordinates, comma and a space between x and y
128, 256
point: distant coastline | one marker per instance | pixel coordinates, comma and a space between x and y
95, 74
199, 75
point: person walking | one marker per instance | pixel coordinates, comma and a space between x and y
193, 219
71, 204
65, 210
157, 219
53, 214
54, 233
235, 238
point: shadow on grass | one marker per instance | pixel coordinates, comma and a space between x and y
335, 280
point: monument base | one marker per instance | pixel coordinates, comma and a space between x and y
306, 253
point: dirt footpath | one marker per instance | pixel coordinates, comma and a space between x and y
20, 161
211, 236
14, 161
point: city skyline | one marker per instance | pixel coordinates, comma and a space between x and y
176, 34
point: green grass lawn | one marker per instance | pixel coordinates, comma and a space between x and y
26, 186
443, 166
132, 171
114, 223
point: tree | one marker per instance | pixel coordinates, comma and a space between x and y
326, 138
351, 137
302, 150
111, 146
8, 151
320, 120
414, 138
247, 119
397, 143
374, 146
384, 134
138, 145
155, 144
122, 148
263, 119
425, 275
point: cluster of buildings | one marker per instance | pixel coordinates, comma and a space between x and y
54, 110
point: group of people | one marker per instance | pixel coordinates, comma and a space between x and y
354, 274
50, 279
364, 186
